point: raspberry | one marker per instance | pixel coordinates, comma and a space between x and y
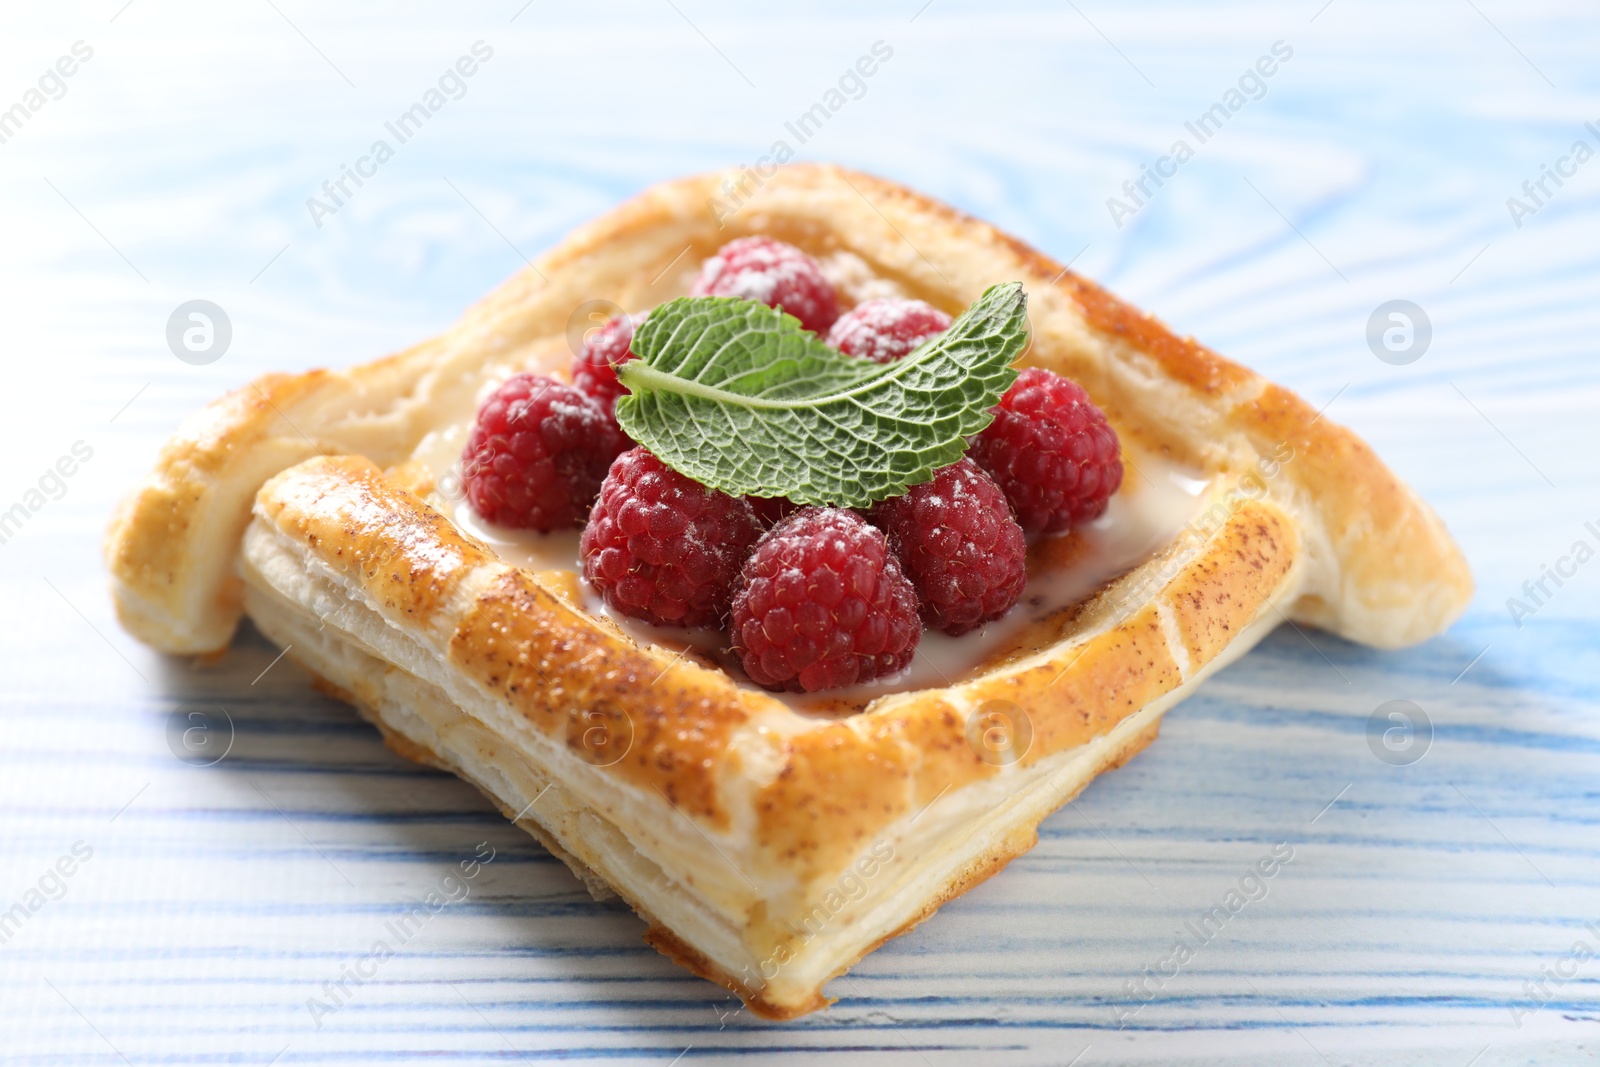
957, 541
1051, 451
537, 454
664, 548
885, 330
823, 604
594, 369
772, 273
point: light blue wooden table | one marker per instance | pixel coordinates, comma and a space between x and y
1431, 909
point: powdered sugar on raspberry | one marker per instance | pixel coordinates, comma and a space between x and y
772, 273
537, 453
757, 278
886, 330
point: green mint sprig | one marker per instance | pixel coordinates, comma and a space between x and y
737, 396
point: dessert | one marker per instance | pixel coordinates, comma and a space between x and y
769, 837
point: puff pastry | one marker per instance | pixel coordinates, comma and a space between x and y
767, 846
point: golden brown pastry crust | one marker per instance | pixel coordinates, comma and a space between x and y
1327, 536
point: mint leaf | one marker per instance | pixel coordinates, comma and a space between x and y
737, 396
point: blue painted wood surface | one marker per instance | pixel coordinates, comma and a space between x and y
1422, 903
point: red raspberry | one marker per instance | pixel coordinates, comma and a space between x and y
537, 454
594, 369
823, 604
664, 548
1051, 451
957, 541
885, 330
774, 274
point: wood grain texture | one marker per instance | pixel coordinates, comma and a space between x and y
1376, 166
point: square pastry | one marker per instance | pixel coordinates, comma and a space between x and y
736, 721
